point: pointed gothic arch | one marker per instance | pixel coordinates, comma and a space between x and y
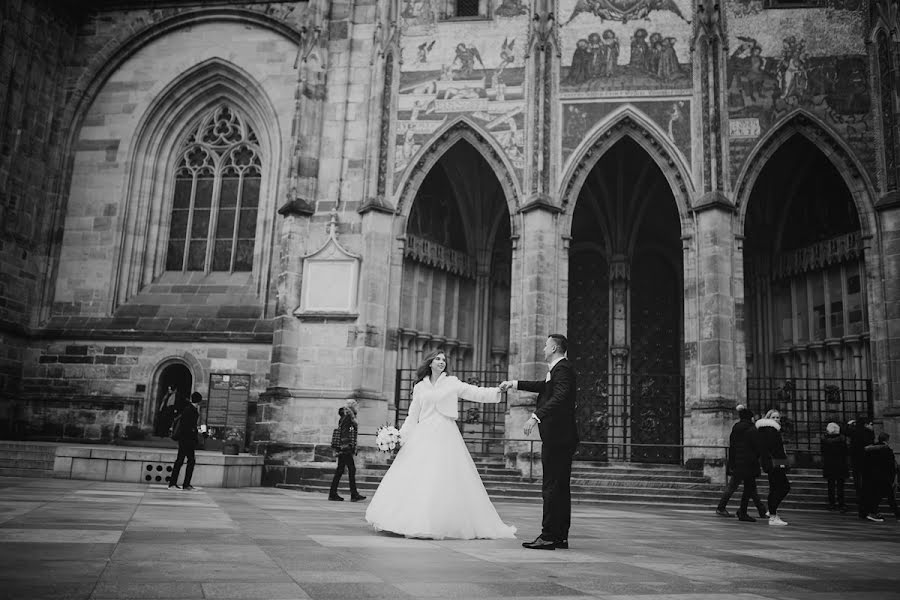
149, 183
627, 122
839, 154
461, 128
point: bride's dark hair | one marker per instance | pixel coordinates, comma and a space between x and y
424, 369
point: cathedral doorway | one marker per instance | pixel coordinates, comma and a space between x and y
626, 310
807, 333
174, 383
455, 291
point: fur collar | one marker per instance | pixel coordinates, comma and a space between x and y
768, 423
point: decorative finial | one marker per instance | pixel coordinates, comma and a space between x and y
332, 224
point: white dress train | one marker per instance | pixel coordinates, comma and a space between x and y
433, 489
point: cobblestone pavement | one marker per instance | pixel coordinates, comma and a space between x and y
62, 539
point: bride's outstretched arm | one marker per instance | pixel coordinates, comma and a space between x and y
489, 395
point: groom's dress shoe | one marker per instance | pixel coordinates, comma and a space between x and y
541, 544
563, 545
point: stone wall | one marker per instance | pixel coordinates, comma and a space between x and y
36, 39
94, 391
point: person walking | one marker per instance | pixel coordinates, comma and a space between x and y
834, 465
349, 428
743, 468
185, 433
880, 476
554, 414
862, 434
774, 462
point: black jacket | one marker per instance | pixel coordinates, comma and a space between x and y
770, 442
186, 429
555, 404
834, 456
743, 450
880, 463
348, 434
860, 437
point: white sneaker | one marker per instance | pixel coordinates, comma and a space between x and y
776, 520
875, 517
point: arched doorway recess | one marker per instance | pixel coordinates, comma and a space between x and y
455, 290
626, 309
174, 375
807, 333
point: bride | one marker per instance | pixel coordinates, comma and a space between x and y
432, 489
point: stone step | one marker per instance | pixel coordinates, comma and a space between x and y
697, 501
17, 472
28, 454
26, 463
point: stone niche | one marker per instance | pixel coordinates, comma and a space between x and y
330, 280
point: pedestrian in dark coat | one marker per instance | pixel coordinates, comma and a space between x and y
862, 434
834, 465
185, 433
880, 474
346, 451
743, 467
774, 462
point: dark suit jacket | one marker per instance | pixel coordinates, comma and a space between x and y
555, 404
187, 429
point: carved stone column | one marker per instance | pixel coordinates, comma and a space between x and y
619, 387
541, 309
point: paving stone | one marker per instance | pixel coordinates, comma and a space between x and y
101, 540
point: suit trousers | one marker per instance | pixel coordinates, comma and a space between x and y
556, 460
186, 451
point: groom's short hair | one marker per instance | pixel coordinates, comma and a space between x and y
562, 343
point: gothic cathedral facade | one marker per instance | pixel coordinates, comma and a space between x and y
286, 204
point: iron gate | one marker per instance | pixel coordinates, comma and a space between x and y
807, 405
635, 417
481, 425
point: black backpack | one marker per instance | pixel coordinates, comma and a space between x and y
336, 439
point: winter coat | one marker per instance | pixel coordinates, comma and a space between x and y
860, 437
834, 456
348, 429
770, 443
442, 398
880, 463
743, 451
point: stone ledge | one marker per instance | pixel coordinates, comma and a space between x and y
103, 463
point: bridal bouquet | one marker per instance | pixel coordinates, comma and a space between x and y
387, 438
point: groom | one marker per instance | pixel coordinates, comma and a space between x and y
555, 418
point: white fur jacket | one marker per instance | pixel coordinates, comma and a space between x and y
441, 398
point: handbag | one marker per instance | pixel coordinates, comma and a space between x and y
336, 439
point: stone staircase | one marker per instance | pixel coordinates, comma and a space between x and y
26, 459
599, 484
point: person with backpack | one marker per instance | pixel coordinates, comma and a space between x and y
184, 431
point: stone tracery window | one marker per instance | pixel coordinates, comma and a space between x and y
216, 196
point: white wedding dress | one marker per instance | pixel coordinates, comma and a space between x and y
433, 490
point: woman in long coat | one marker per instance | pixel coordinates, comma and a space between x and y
835, 454
774, 462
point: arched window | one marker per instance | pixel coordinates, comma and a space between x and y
216, 197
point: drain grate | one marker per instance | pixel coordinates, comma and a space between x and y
156, 472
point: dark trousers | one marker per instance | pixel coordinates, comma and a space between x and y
836, 492
779, 486
862, 501
884, 491
186, 449
556, 460
750, 493
345, 460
